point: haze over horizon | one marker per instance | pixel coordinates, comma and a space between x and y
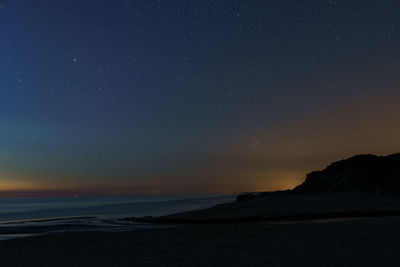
175, 97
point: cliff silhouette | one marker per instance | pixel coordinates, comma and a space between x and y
380, 174
345, 189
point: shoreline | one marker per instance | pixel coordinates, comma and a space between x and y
367, 242
287, 218
263, 208
339, 230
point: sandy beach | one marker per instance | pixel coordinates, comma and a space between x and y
364, 242
289, 207
347, 241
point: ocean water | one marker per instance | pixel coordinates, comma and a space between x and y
30, 216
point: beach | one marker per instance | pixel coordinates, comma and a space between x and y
24, 217
358, 242
279, 237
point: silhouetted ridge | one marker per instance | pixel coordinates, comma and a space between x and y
359, 173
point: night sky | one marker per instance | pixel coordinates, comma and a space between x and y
211, 96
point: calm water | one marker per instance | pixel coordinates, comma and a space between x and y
20, 217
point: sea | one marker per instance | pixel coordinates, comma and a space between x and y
35, 216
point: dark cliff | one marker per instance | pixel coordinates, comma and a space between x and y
379, 174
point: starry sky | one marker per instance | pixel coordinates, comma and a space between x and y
102, 97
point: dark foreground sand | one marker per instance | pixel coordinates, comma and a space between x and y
364, 242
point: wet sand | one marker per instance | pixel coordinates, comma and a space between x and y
320, 241
365, 242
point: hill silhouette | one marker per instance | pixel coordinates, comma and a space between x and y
345, 189
380, 174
